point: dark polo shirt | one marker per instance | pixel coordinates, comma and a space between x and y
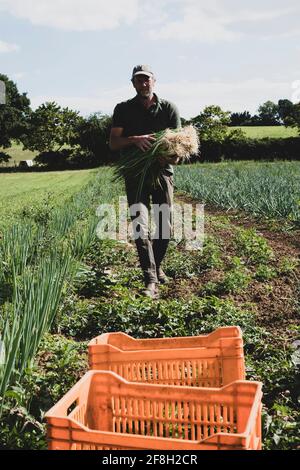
135, 119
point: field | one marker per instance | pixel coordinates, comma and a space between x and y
21, 192
259, 132
266, 189
247, 274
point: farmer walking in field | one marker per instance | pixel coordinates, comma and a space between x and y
134, 123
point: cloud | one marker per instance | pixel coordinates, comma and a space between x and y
184, 20
74, 15
6, 47
214, 21
190, 96
103, 101
196, 22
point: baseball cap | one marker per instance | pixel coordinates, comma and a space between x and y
142, 70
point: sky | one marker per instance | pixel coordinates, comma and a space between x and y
80, 53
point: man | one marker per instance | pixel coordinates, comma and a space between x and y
134, 122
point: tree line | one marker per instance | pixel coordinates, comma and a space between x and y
269, 114
63, 138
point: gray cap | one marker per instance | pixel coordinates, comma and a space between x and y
142, 70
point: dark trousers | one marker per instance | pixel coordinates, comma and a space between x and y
151, 250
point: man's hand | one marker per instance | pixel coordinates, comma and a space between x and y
144, 142
167, 160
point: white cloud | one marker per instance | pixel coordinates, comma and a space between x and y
214, 21
6, 47
185, 20
190, 96
74, 15
198, 22
103, 101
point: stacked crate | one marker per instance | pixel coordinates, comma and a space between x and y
168, 393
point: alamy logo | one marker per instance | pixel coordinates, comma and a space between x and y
2, 92
180, 222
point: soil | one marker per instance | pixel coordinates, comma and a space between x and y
276, 302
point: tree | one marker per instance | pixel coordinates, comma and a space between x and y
92, 136
256, 120
212, 123
13, 113
268, 114
285, 109
293, 119
50, 128
289, 113
4, 157
240, 119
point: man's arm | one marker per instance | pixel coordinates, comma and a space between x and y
118, 142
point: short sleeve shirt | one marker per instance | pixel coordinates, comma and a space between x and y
135, 119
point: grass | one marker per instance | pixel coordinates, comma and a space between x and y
38, 260
259, 132
22, 191
17, 154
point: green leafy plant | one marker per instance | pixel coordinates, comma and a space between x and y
36, 298
280, 427
179, 264
252, 246
237, 278
58, 366
287, 265
265, 272
210, 256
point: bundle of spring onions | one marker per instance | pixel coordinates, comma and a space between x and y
145, 168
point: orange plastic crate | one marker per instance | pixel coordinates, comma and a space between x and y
211, 360
112, 413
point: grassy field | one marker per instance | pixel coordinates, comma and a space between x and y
259, 132
19, 191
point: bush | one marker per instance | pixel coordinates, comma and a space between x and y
250, 149
53, 160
